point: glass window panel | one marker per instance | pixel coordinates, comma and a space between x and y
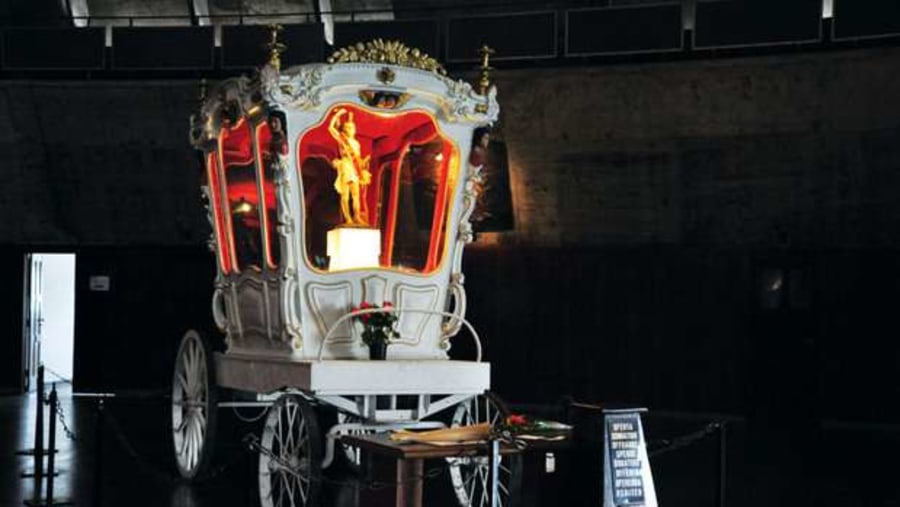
223, 242
271, 138
236, 156
393, 173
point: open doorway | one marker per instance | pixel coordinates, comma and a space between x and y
49, 316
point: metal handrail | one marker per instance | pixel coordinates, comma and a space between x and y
365, 311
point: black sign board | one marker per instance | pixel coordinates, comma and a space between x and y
627, 480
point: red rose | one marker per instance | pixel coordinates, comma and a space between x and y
364, 305
516, 420
388, 304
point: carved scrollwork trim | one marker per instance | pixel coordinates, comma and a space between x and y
374, 289
416, 298
300, 90
464, 103
236, 97
456, 291
339, 294
290, 291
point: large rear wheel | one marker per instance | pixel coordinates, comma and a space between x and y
194, 400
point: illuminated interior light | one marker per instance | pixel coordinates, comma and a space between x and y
439, 157
353, 247
242, 207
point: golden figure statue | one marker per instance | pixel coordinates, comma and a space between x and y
352, 168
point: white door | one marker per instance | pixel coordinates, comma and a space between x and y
33, 318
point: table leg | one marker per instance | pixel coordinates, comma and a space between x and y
493, 473
409, 482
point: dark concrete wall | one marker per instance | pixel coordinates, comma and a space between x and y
783, 150
99, 163
650, 200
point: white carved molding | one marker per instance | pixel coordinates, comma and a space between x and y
412, 325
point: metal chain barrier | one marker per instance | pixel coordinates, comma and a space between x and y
59, 378
61, 416
253, 419
682, 441
164, 475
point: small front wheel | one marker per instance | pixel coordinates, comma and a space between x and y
290, 459
469, 475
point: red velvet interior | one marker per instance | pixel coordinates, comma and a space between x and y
382, 136
235, 142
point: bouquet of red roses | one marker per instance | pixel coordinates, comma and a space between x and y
378, 327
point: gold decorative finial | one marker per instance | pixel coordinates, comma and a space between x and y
275, 47
484, 82
387, 52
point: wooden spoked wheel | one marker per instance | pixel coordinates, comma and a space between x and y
469, 475
194, 399
290, 459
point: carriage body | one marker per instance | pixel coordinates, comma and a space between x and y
273, 206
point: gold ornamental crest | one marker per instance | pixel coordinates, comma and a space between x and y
390, 52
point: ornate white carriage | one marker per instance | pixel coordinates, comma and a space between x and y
328, 186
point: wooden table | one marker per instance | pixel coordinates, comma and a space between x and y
410, 456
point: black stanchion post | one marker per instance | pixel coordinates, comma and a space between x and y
51, 445
723, 438
98, 452
38, 451
39, 425
38, 438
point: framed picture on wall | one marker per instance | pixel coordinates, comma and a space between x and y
493, 211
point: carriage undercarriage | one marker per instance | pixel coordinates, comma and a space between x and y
295, 449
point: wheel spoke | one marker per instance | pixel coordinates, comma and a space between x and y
280, 488
191, 444
471, 490
182, 381
291, 419
290, 489
300, 488
301, 432
277, 432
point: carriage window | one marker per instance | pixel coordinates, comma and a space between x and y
271, 140
236, 158
215, 204
377, 190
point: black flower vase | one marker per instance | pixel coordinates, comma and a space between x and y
378, 351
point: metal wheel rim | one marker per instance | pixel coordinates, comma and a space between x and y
190, 410
469, 475
286, 461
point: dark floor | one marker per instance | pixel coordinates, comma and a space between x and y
834, 464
